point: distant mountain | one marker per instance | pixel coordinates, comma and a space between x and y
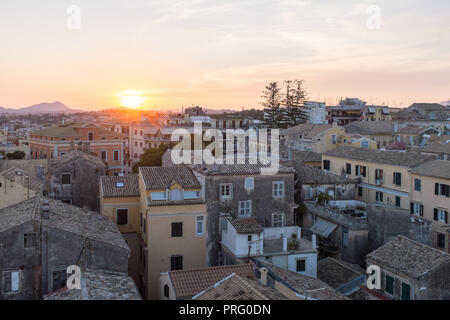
54, 107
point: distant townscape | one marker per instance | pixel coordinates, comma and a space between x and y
357, 186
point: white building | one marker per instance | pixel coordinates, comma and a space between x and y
316, 112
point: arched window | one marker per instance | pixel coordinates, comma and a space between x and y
166, 291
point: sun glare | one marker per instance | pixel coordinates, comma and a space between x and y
131, 99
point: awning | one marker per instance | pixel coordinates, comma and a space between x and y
323, 228
385, 190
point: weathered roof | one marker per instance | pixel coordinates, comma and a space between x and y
441, 145
433, 168
306, 156
234, 287
161, 178
309, 130
336, 272
75, 155
70, 131
99, 285
65, 217
310, 175
238, 169
247, 225
409, 257
370, 127
116, 186
405, 159
410, 129
310, 287
33, 182
188, 283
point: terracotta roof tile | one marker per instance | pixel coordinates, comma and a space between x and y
116, 186
161, 178
248, 225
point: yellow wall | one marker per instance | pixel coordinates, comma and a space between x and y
430, 201
325, 144
337, 164
109, 208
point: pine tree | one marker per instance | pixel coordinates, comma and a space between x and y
294, 103
273, 114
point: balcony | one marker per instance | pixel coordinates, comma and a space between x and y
286, 240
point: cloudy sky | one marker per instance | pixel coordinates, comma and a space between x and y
221, 53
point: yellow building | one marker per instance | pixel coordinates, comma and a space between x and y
161, 210
381, 132
314, 137
430, 198
384, 175
120, 201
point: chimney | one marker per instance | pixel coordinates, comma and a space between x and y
284, 239
263, 278
45, 209
314, 241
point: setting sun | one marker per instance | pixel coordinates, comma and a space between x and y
131, 99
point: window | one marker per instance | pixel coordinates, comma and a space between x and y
344, 237
301, 265
397, 201
444, 190
406, 291
417, 209
417, 184
226, 191
333, 139
440, 240
397, 178
65, 178
348, 168
122, 216
177, 229
364, 144
379, 196
326, 164
278, 189
379, 174
11, 281
191, 195
176, 263
158, 196
166, 291
249, 238
360, 170
249, 183
277, 219
245, 208
440, 215
90, 136
360, 191
59, 279
68, 201
116, 155
29, 240
389, 286
104, 155
200, 225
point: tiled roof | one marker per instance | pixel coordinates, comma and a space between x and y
99, 285
306, 156
112, 186
405, 159
237, 169
370, 127
69, 131
440, 146
161, 178
309, 130
33, 182
73, 156
410, 129
234, 287
65, 217
310, 287
336, 272
310, 175
248, 225
408, 257
188, 283
433, 168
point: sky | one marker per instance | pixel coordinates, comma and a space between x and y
89, 54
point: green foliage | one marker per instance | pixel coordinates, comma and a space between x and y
16, 155
323, 198
151, 157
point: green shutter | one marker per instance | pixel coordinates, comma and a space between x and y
389, 285
436, 188
435, 217
412, 208
406, 291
